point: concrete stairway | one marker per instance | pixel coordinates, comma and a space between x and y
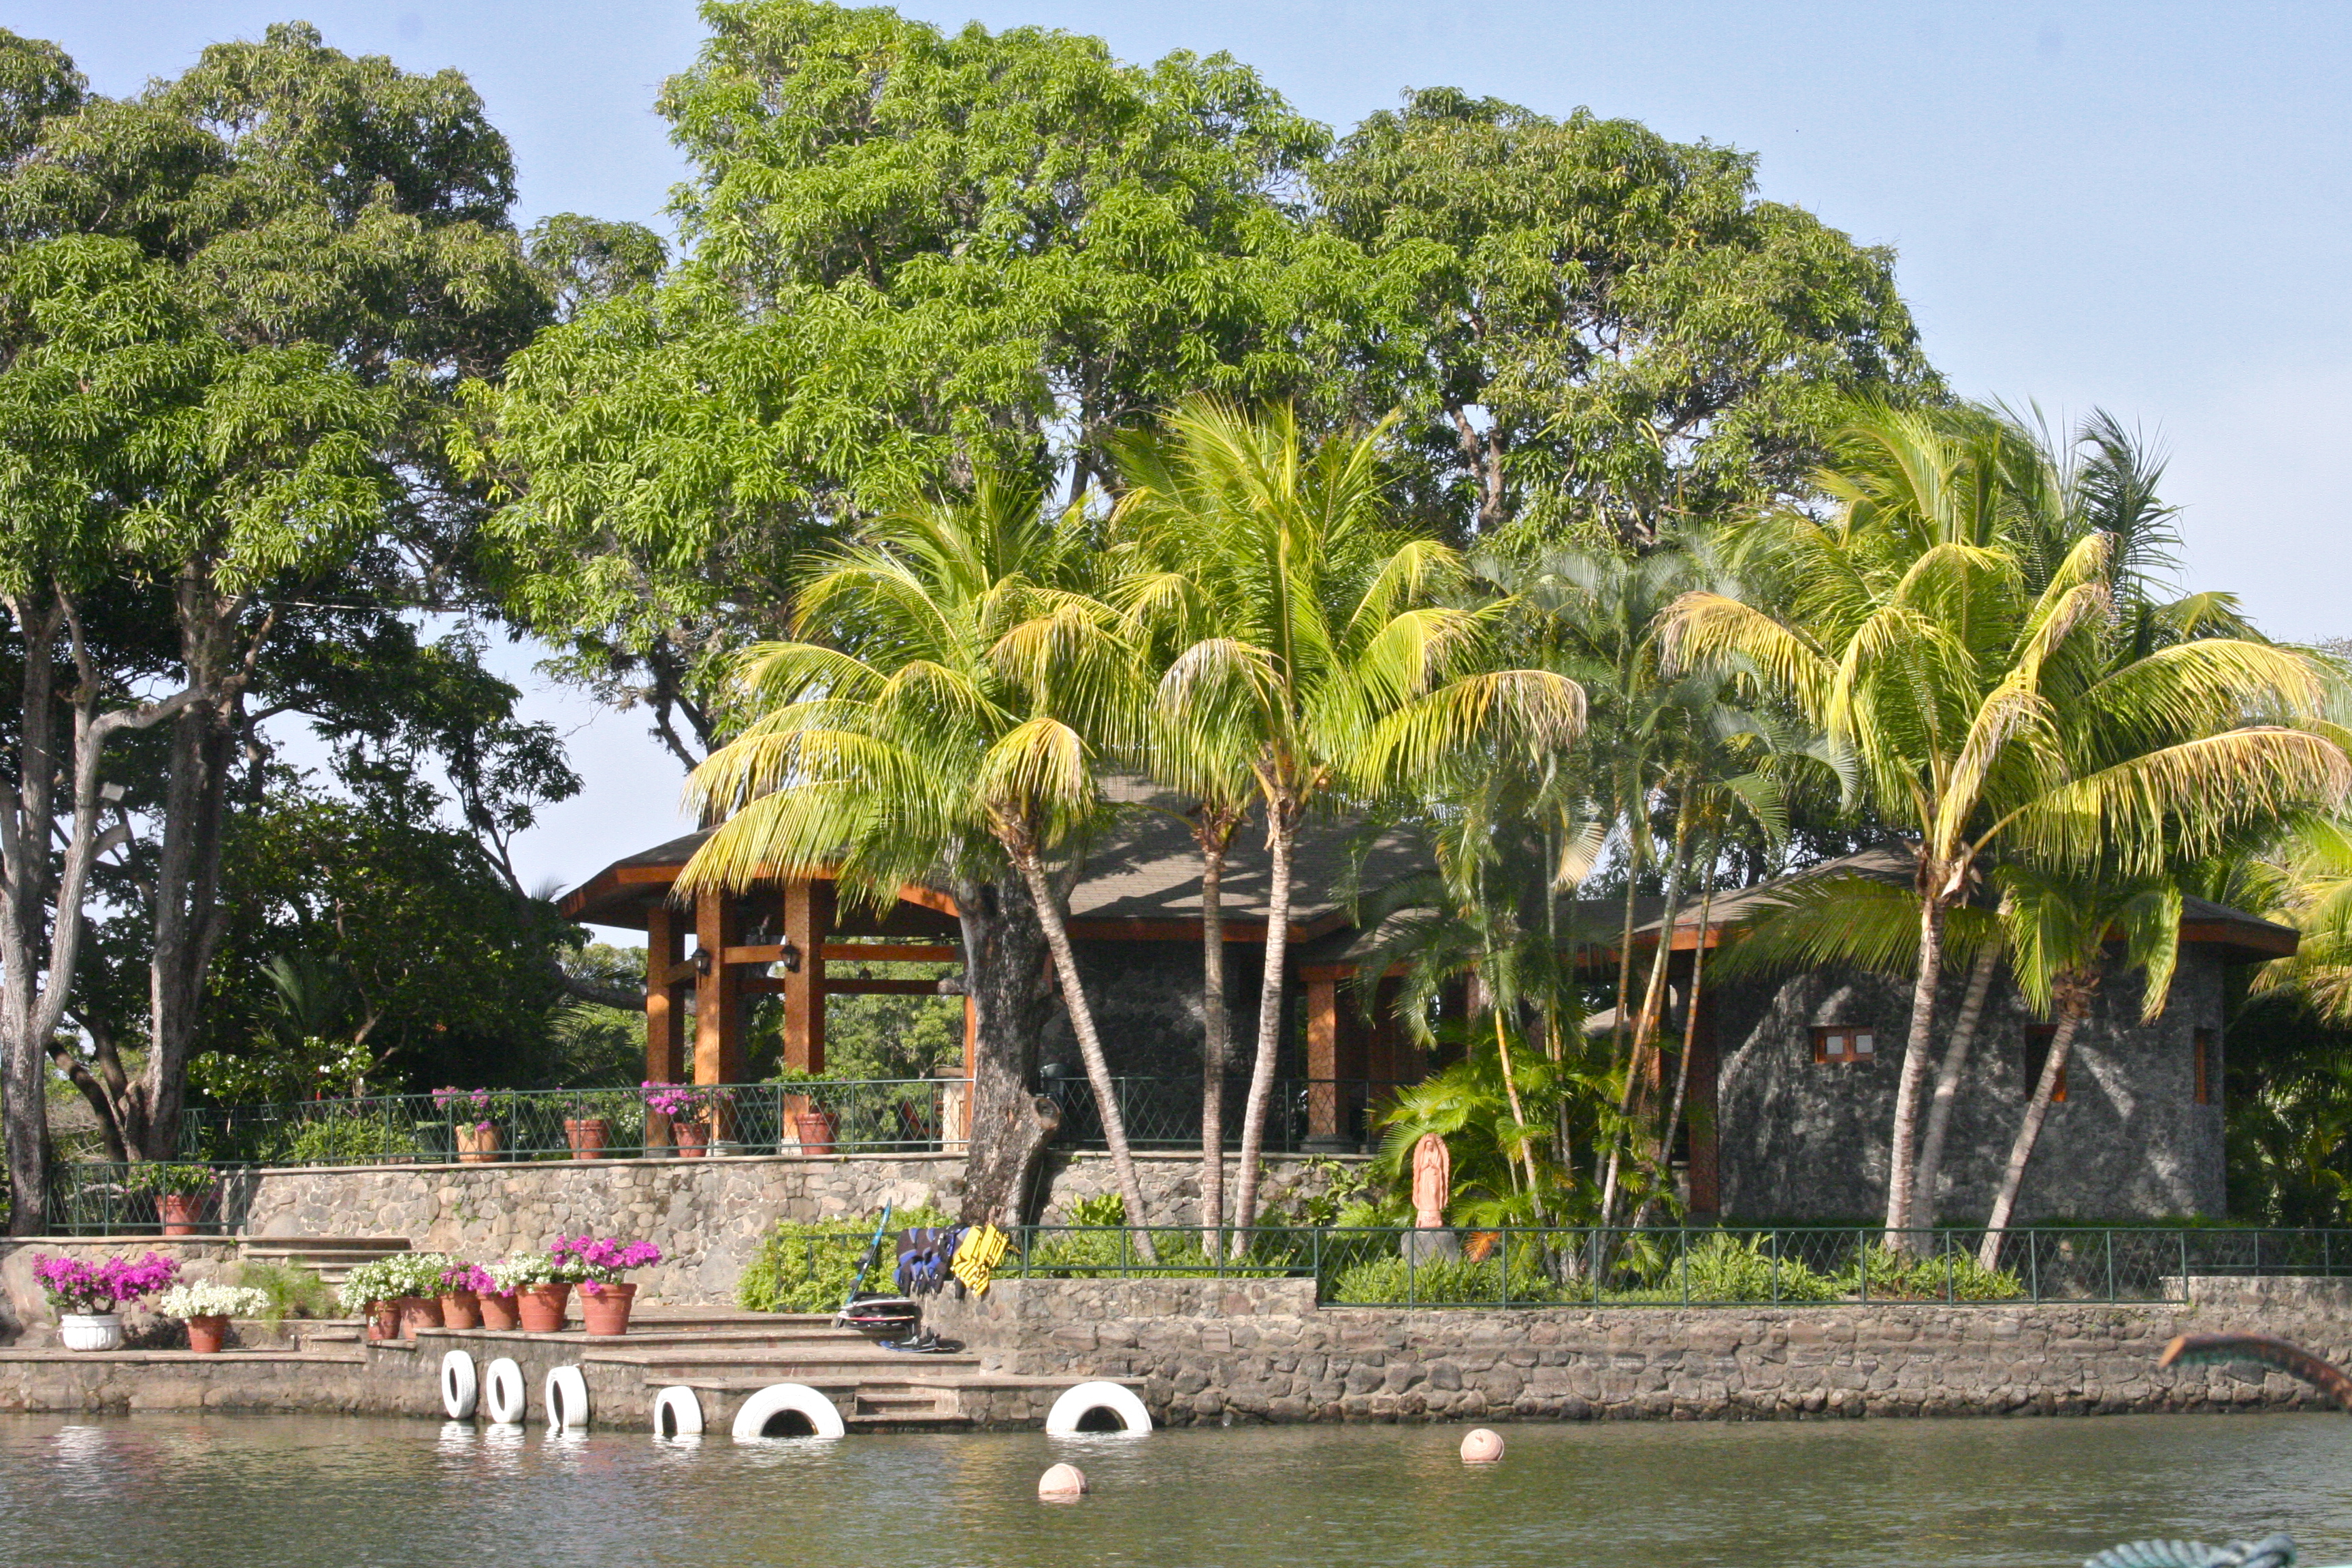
332, 1258
731, 1356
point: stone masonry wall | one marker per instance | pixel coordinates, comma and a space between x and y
1221, 1350
706, 1216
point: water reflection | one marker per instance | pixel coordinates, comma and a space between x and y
293, 1493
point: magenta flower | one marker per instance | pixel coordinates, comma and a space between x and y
74, 1286
599, 1261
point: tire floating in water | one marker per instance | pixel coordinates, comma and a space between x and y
787, 1410
1098, 1407
460, 1389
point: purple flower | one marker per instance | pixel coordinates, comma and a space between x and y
599, 1261
74, 1286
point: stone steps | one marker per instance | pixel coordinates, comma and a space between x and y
331, 1257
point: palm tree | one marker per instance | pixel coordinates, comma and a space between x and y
934, 727
1326, 649
1982, 712
2058, 930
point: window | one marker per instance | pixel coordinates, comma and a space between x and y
1843, 1043
2204, 1052
2037, 1052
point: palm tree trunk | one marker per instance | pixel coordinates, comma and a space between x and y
1690, 1034
1082, 1024
1902, 1165
1518, 1116
1010, 1123
1948, 1082
1644, 1032
1216, 1027
2028, 1132
1281, 825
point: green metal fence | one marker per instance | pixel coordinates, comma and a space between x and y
867, 1116
1669, 1266
1696, 1266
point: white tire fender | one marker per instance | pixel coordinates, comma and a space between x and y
781, 1398
509, 1400
677, 1413
567, 1400
1071, 1407
460, 1389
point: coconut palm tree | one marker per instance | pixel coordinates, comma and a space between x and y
1984, 711
2058, 926
935, 725
1329, 648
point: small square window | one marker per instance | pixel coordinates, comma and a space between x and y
1845, 1043
2037, 1052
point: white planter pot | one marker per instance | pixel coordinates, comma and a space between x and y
90, 1331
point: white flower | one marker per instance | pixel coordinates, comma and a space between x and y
211, 1299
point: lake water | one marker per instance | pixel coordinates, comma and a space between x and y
166, 1492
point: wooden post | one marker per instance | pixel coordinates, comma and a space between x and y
808, 920
717, 996
665, 1012
1322, 1063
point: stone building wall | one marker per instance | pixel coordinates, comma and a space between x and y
1798, 1139
706, 1216
1214, 1352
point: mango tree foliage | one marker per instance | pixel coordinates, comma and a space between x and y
908, 255
1612, 332
264, 279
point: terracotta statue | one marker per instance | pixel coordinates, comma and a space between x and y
1432, 1181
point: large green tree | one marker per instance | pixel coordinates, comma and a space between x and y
1609, 330
260, 283
908, 255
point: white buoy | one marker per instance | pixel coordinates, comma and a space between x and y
677, 1413
1063, 1483
1480, 1446
1076, 1403
507, 1398
460, 1386
781, 1399
567, 1400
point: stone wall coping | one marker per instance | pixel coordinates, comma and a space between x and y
878, 1156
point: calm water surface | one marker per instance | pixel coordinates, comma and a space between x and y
163, 1491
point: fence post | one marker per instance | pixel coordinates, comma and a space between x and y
2184, 1267
1682, 1262
2111, 1267
1861, 1262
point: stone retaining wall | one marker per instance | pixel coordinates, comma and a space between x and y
706, 1216
1260, 1349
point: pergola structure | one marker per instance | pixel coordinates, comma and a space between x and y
1142, 888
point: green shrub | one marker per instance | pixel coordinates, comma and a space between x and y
1386, 1281
1742, 1268
338, 1141
1896, 1275
809, 1267
293, 1291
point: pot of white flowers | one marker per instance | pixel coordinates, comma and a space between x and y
206, 1308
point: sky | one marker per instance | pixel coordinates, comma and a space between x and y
2141, 207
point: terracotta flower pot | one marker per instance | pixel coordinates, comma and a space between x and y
384, 1320
207, 1333
604, 1309
477, 1145
460, 1309
692, 1139
499, 1312
817, 1130
181, 1210
586, 1135
541, 1306
417, 1313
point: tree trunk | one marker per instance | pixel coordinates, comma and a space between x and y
1902, 1165
1005, 964
1652, 998
1948, 1082
1082, 1024
1281, 826
1215, 833
2072, 1003
1690, 1040
1518, 1115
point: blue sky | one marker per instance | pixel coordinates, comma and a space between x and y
2142, 207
